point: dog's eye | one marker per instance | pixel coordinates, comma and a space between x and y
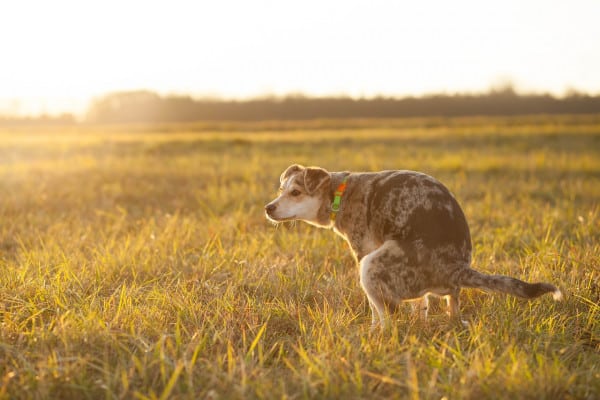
295, 192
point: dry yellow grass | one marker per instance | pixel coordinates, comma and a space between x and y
137, 263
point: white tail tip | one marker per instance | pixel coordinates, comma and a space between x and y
557, 295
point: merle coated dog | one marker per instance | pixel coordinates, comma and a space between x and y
406, 230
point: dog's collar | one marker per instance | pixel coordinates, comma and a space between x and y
337, 198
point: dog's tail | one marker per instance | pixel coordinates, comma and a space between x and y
505, 284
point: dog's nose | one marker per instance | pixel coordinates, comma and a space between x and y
269, 208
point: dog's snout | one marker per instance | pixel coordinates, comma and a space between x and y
269, 208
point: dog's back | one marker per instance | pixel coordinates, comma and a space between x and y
408, 207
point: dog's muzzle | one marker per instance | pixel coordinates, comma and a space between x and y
270, 209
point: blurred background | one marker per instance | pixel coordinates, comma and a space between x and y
148, 61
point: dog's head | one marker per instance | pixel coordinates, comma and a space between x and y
303, 195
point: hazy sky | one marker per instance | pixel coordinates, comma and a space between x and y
56, 55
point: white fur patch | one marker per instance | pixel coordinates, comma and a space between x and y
289, 208
557, 295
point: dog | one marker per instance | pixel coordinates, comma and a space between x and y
406, 231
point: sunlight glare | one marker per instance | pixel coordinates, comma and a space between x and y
64, 52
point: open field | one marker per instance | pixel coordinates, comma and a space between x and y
137, 263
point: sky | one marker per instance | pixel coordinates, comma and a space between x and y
55, 56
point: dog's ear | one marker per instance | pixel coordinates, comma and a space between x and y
289, 171
314, 178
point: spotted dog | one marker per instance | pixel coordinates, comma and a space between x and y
406, 230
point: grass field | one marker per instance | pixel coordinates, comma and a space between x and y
137, 263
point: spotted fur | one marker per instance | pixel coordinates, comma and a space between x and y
406, 230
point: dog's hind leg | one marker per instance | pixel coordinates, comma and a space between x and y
378, 316
386, 279
372, 288
420, 307
453, 302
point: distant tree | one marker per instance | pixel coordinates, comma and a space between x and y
149, 107
125, 107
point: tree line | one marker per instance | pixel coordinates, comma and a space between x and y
144, 106
150, 107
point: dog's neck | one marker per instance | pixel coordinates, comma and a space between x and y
323, 219
337, 178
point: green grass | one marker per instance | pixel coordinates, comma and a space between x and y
137, 263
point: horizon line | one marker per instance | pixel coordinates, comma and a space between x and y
87, 103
